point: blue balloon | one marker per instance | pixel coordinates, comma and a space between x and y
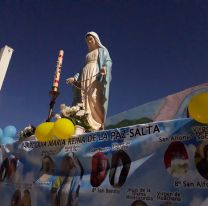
10, 131
1, 133
7, 140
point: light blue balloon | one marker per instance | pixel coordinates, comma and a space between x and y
7, 140
10, 131
1, 133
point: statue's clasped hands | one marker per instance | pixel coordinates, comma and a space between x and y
72, 80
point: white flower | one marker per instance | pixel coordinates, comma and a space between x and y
80, 113
74, 109
77, 108
80, 104
62, 107
28, 128
57, 116
66, 111
87, 112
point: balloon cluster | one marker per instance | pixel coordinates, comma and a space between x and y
7, 135
62, 129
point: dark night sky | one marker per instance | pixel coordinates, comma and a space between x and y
157, 47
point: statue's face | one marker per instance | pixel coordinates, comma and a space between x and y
91, 43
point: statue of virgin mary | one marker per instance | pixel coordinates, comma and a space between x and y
92, 83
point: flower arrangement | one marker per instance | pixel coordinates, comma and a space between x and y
76, 114
27, 132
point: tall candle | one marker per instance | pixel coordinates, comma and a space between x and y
58, 70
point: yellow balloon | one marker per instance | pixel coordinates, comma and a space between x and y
43, 131
63, 128
198, 108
